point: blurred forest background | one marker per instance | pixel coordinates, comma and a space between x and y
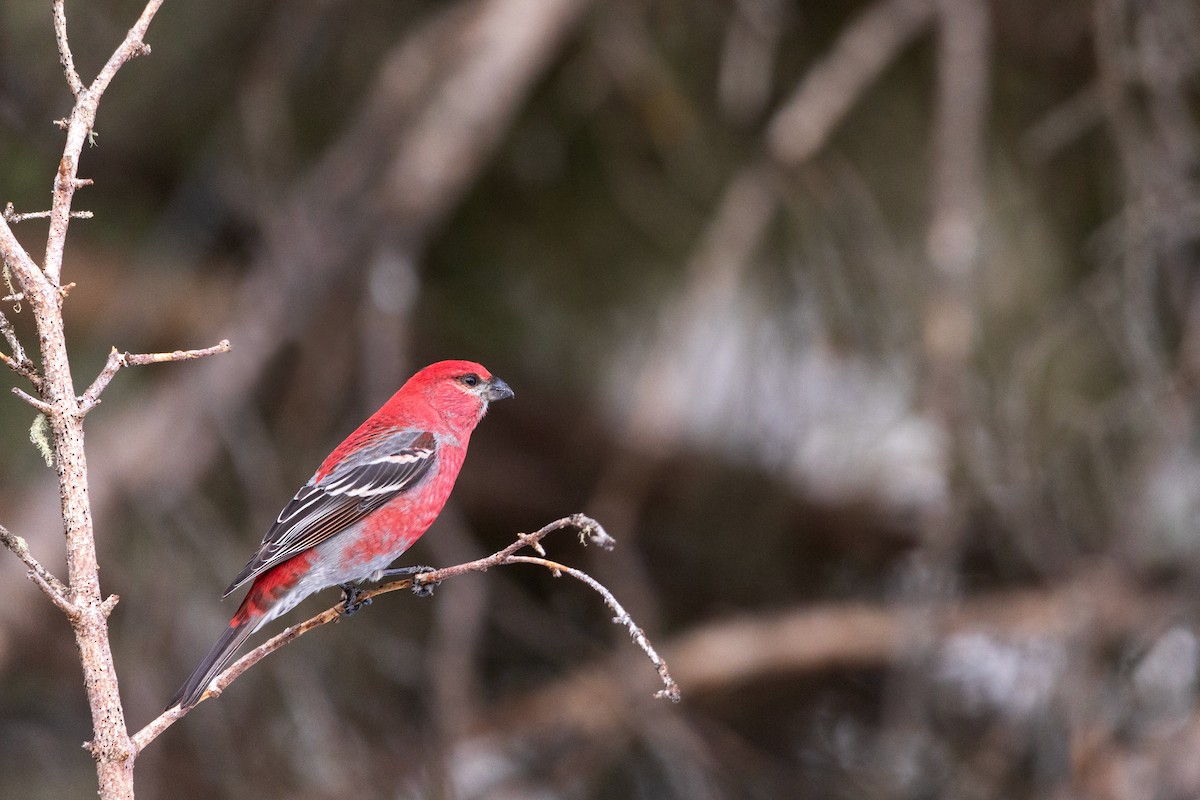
869, 328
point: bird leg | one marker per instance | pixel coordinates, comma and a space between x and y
419, 589
350, 601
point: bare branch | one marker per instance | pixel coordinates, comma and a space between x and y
133, 46
141, 359
156, 726
11, 214
671, 692
40, 405
63, 290
15, 364
17, 258
64, 48
590, 532
116, 360
79, 126
53, 588
19, 362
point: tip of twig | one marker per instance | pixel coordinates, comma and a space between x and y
592, 532
670, 693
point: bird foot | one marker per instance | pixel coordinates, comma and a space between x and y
419, 589
350, 601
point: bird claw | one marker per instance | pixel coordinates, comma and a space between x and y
419, 589
350, 601
423, 589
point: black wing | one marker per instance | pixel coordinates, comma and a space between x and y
353, 489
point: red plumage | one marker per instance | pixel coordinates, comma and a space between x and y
371, 498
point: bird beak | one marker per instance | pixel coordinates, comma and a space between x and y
497, 390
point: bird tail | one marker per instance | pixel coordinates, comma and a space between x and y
222, 652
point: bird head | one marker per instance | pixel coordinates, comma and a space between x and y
460, 390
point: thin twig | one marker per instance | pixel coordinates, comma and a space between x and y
590, 532
19, 362
80, 125
40, 405
671, 692
133, 46
11, 214
17, 257
10, 334
18, 297
141, 359
117, 360
64, 48
14, 364
53, 588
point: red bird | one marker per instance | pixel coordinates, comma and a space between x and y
371, 498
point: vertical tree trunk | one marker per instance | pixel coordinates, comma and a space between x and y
111, 745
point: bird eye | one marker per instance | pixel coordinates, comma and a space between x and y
470, 380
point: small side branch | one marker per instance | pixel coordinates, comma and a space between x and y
64, 48
19, 362
80, 126
17, 365
133, 46
18, 297
40, 405
117, 360
13, 216
51, 586
16, 257
141, 359
590, 532
671, 690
